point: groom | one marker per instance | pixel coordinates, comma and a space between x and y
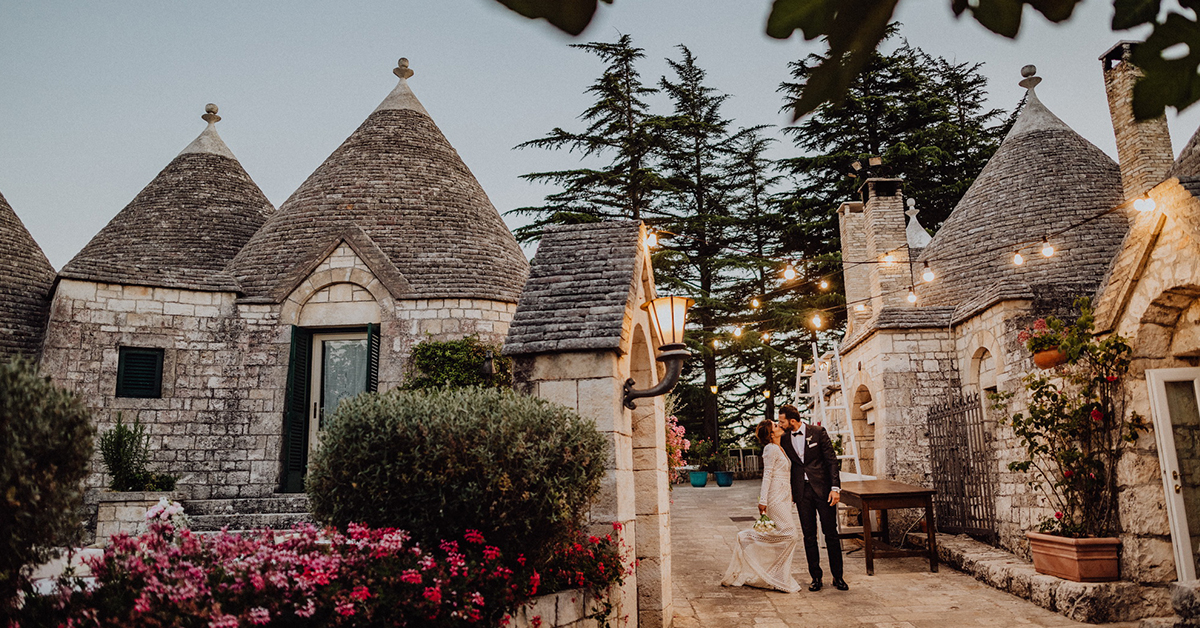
815, 489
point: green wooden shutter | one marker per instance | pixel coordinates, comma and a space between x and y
139, 372
295, 413
372, 357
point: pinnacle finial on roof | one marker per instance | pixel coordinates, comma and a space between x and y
1031, 79
402, 70
210, 114
918, 237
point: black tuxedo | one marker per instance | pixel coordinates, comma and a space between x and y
812, 480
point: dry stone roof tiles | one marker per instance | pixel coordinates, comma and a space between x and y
1043, 179
579, 286
1188, 162
183, 228
399, 181
26, 278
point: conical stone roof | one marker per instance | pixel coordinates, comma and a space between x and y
1043, 179
26, 278
399, 189
1188, 162
183, 228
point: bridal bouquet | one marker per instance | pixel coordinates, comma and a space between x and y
764, 524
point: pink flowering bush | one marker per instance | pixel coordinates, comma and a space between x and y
172, 577
677, 445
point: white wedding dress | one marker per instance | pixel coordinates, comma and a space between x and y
764, 559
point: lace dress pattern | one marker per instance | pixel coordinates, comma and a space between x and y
764, 559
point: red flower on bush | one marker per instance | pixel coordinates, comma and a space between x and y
1097, 415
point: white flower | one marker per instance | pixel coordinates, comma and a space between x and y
764, 524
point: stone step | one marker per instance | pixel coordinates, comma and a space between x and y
297, 503
248, 521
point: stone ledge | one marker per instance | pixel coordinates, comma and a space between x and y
565, 609
1088, 602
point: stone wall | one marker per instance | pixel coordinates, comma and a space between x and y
218, 424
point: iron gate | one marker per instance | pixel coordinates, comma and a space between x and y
964, 473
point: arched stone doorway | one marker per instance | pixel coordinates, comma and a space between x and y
862, 418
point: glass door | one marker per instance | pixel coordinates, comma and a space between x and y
339, 371
1175, 404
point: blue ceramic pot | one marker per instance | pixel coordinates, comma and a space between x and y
724, 478
699, 478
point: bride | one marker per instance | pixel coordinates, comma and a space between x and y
764, 559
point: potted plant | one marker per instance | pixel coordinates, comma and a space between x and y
125, 451
709, 458
1044, 340
1074, 431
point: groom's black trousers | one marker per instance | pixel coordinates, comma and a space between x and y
811, 507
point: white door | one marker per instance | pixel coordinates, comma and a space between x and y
1175, 404
339, 371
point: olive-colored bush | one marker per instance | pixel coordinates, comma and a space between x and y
456, 363
436, 463
125, 451
45, 445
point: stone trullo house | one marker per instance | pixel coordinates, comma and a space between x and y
915, 376
231, 329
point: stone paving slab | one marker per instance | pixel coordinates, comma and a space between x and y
901, 594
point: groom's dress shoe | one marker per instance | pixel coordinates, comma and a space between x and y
840, 585
815, 586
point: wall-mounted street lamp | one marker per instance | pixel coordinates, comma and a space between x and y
667, 315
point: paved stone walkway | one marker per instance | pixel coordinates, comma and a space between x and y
901, 594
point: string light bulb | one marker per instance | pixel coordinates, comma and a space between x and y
816, 321
889, 259
861, 307
824, 284
766, 336
1144, 204
716, 343
789, 273
755, 302
712, 389
912, 295
1047, 248
766, 394
737, 332
1018, 259
927, 274
652, 239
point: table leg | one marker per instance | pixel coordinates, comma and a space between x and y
931, 527
868, 546
884, 529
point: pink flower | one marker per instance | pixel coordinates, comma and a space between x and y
142, 604
474, 536
433, 594
360, 593
491, 553
345, 608
1024, 336
223, 621
1040, 325
477, 598
1058, 515
411, 576
618, 526
259, 615
1110, 378
307, 610
1067, 473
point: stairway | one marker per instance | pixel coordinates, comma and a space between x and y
278, 512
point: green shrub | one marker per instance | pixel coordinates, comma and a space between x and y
45, 444
457, 364
436, 463
125, 451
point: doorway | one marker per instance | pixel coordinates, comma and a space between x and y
339, 371
1175, 404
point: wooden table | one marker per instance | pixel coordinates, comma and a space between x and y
882, 495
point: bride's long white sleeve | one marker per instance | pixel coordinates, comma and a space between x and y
772, 475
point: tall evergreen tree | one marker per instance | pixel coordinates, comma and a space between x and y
620, 129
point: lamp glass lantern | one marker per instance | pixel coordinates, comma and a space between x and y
668, 316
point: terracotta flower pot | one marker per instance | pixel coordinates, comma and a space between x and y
1049, 358
1080, 560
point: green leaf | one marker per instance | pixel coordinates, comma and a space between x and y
1130, 13
571, 16
1167, 82
1003, 17
811, 17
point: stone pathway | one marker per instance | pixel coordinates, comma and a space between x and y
901, 594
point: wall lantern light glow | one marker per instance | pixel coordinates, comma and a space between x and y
668, 316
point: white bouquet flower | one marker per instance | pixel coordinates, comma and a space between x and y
764, 524
167, 511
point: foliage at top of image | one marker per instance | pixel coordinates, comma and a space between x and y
456, 364
1076, 428
521, 470
125, 450
45, 444
853, 29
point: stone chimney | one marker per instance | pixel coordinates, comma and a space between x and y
856, 276
1143, 148
886, 240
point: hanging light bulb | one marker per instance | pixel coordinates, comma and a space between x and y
755, 302
652, 239
824, 284
861, 307
889, 259
1047, 248
816, 321
1144, 204
912, 296
737, 332
766, 336
789, 273
1018, 259
766, 394
927, 275
716, 343
712, 389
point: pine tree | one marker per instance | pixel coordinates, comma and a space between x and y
621, 129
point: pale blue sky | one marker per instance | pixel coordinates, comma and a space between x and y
97, 97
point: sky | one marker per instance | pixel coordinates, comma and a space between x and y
97, 97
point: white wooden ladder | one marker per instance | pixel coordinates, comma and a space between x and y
822, 380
